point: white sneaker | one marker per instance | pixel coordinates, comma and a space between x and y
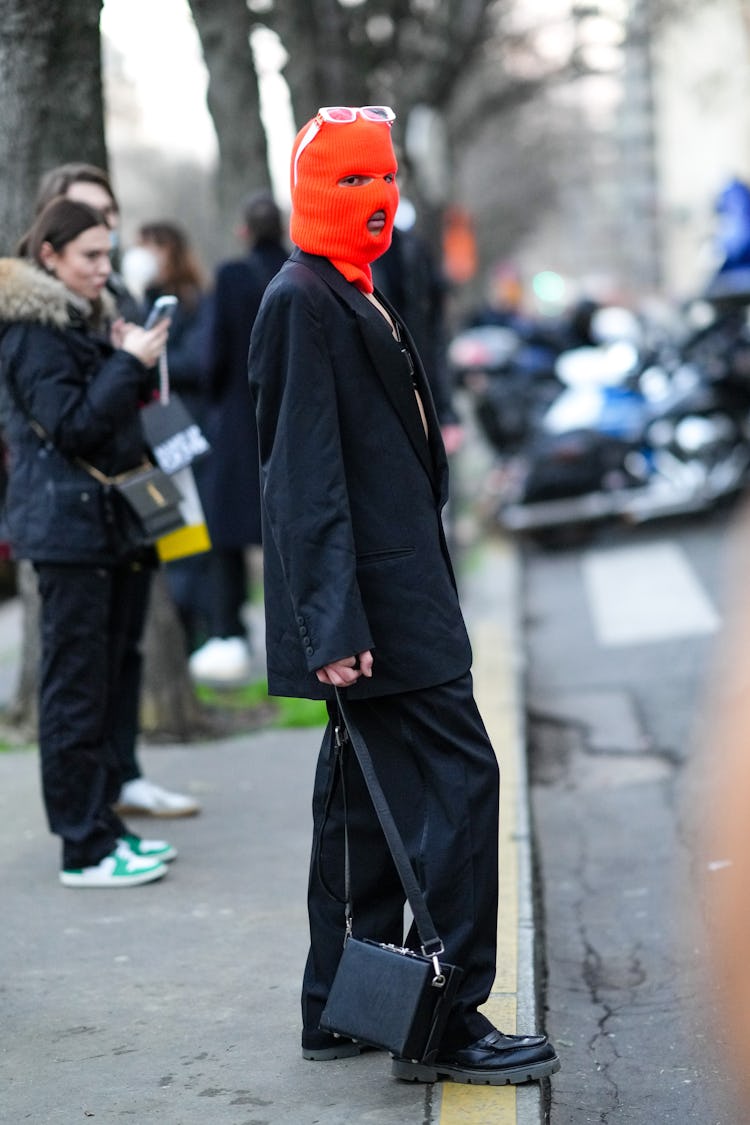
121, 868
221, 660
142, 797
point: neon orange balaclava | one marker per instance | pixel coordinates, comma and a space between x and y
330, 219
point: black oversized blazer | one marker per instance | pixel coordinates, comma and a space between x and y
355, 556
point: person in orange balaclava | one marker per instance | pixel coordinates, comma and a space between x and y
350, 228
361, 600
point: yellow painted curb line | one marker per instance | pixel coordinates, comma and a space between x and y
496, 691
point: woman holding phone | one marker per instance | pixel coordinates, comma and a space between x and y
74, 380
85, 183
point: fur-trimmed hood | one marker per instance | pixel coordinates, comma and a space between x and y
29, 295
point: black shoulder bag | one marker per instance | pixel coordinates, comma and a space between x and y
382, 994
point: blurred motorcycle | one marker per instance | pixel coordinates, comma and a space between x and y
637, 433
510, 379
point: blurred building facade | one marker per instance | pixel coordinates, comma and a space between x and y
702, 130
660, 136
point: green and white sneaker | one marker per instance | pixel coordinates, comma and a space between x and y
150, 849
121, 868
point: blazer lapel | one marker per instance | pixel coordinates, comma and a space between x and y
438, 462
390, 363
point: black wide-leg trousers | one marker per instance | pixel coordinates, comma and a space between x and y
91, 622
439, 774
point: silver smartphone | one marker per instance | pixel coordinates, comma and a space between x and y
162, 307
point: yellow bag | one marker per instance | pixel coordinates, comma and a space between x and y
193, 538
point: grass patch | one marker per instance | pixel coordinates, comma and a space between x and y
284, 713
471, 558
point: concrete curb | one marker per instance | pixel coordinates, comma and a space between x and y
492, 594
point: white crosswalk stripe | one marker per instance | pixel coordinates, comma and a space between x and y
645, 593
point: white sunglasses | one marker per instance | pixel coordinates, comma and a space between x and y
341, 115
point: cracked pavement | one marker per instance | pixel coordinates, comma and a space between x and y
627, 1001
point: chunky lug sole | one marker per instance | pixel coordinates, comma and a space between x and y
476, 1076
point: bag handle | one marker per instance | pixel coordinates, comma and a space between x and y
163, 377
431, 944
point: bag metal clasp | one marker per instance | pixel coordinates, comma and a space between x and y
438, 980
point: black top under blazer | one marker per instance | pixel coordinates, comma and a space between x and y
355, 555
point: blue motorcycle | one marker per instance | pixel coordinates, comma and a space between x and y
637, 433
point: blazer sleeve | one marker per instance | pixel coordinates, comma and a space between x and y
303, 478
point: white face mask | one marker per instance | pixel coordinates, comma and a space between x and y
139, 268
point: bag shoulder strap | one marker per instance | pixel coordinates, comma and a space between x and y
46, 438
431, 943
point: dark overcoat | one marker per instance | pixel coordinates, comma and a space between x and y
229, 477
355, 556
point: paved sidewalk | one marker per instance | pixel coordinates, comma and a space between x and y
177, 1003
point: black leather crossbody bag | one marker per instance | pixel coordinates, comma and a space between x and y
384, 995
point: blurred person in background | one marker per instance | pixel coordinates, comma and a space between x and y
169, 265
74, 379
503, 304
85, 183
230, 482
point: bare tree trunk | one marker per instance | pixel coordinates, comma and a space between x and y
224, 28
51, 94
328, 63
169, 707
745, 17
24, 708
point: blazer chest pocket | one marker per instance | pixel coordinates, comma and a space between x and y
393, 554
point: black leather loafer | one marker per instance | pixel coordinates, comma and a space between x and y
494, 1060
320, 1046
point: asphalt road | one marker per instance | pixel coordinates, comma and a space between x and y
622, 634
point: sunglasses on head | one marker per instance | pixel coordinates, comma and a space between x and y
342, 115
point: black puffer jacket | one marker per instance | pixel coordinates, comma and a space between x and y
86, 396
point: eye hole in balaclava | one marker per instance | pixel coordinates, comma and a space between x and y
329, 218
